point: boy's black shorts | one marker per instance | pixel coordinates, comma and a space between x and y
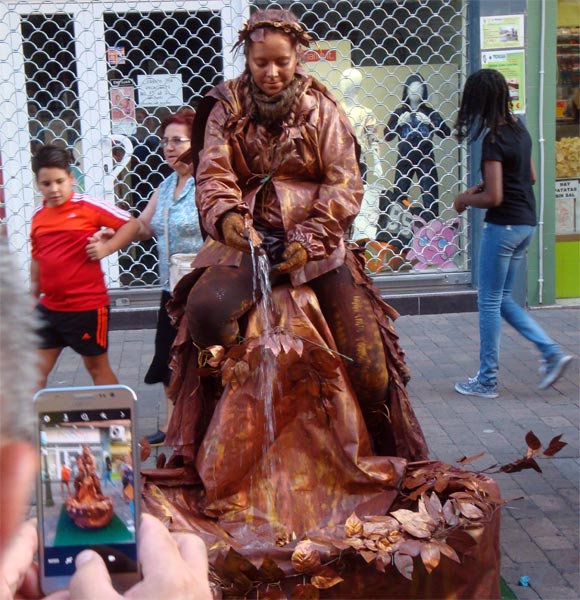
86, 331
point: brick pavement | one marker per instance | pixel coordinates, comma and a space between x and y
540, 534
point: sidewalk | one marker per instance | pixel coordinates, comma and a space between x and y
540, 534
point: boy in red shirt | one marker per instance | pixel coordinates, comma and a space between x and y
65, 272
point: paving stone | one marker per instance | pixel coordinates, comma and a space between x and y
552, 542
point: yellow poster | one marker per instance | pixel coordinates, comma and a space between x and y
502, 32
512, 65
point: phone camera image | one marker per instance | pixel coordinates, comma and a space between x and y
87, 488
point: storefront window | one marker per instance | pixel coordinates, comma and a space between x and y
101, 77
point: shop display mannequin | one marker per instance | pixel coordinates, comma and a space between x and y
365, 126
415, 123
363, 121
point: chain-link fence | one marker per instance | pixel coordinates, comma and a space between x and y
100, 76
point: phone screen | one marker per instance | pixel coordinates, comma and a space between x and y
87, 489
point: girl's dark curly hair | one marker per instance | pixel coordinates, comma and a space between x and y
485, 103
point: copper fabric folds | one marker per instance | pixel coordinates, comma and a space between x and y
253, 497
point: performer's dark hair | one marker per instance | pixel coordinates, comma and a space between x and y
485, 103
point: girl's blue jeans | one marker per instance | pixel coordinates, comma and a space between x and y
503, 248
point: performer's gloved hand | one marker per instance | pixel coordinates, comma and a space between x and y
295, 257
237, 232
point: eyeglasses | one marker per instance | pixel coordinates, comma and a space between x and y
174, 141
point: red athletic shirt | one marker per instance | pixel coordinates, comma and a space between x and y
69, 280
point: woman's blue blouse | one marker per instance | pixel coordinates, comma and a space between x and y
183, 224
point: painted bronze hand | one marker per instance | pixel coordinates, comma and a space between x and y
237, 233
295, 257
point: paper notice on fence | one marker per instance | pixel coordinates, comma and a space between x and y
160, 90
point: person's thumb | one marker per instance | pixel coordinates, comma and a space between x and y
91, 579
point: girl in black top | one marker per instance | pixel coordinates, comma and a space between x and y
507, 194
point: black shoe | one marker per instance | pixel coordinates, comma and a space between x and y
157, 438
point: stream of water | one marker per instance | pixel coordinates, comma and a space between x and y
267, 370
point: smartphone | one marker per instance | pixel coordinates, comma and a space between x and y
88, 483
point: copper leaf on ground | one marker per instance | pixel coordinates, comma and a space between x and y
554, 446
533, 443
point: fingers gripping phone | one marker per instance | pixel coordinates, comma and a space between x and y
88, 483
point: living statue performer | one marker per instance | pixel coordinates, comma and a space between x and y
415, 123
292, 431
89, 508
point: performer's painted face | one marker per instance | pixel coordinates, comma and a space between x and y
415, 92
273, 62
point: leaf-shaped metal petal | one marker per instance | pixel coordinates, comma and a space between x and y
378, 528
215, 355
404, 564
441, 484
447, 551
430, 555
270, 572
554, 446
291, 342
468, 459
392, 523
450, 514
237, 352
325, 578
435, 502
410, 547
521, 465
272, 343
353, 526
414, 523
324, 362
368, 555
469, 510
305, 557
532, 441
355, 543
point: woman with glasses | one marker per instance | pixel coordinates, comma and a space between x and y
174, 201
171, 210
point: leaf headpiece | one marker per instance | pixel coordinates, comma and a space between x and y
255, 32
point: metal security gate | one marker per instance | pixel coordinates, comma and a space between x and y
100, 76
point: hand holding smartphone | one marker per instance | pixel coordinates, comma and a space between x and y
88, 484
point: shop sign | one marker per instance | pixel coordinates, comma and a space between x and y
504, 31
512, 65
321, 54
567, 198
160, 90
